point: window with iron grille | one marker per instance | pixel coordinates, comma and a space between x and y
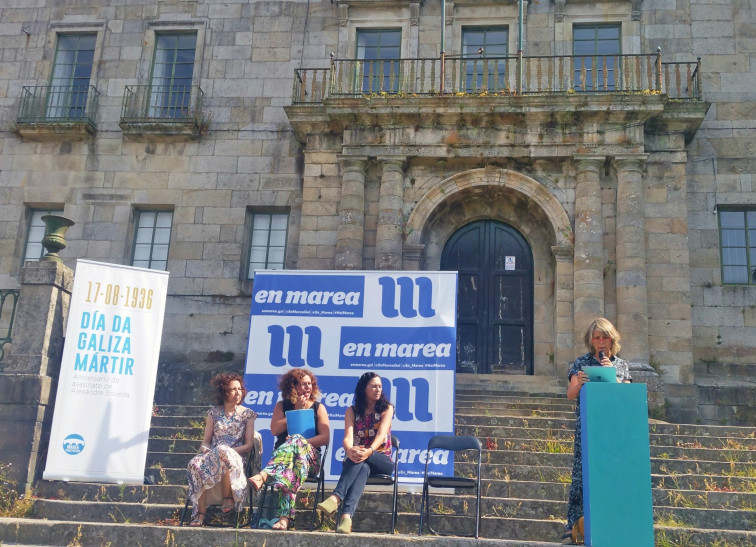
152, 237
597, 55
172, 72
33, 249
72, 70
480, 44
380, 49
267, 250
737, 238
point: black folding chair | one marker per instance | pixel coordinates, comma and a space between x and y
390, 480
251, 466
452, 443
318, 480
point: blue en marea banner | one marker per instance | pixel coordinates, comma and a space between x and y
107, 376
401, 325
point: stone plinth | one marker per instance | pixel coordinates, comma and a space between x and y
29, 378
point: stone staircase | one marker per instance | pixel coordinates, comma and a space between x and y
704, 486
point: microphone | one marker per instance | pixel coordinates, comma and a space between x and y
601, 355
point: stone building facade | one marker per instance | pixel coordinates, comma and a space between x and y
586, 175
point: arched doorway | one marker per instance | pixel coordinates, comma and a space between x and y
494, 298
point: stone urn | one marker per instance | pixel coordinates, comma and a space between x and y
55, 229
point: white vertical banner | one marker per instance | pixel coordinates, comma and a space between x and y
401, 325
103, 407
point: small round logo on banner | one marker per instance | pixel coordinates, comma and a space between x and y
73, 444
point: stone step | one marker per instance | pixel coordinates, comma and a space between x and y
566, 434
87, 491
504, 404
444, 506
708, 483
34, 532
664, 495
522, 455
692, 430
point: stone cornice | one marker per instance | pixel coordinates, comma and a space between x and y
345, 5
559, 6
492, 126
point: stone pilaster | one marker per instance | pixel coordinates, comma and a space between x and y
388, 243
412, 257
349, 240
589, 246
564, 344
29, 378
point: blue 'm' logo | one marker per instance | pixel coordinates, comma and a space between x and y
73, 444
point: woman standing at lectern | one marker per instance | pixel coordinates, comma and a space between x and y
603, 343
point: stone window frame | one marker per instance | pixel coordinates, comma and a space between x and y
479, 15
198, 26
31, 211
56, 28
245, 272
749, 245
586, 13
136, 214
356, 15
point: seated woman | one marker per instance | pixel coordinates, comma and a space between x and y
293, 456
367, 443
217, 472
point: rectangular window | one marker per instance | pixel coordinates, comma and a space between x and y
72, 70
381, 50
486, 49
597, 56
172, 72
267, 250
33, 249
737, 235
151, 239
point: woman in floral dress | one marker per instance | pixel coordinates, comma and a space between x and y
294, 457
603, 343
216, 474
367, 445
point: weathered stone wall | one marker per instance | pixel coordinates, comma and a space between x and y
247, 54
720, 171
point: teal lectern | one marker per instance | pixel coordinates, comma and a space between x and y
617, 501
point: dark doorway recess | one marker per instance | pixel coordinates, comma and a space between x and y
494, 298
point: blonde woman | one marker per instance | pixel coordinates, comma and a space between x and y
603, 343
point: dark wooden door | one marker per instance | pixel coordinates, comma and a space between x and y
494, 298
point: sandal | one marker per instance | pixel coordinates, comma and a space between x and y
257, 481
228, 505
198, 520
281, 524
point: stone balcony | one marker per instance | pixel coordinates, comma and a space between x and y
51, 112
512, 106
163, 113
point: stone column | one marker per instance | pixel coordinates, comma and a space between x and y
589, 246
632, 292
349, 240
30, 371
388, 240
564, 344
632, 288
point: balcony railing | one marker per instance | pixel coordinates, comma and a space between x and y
8, 302
163, 104
53, 104
510, 75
